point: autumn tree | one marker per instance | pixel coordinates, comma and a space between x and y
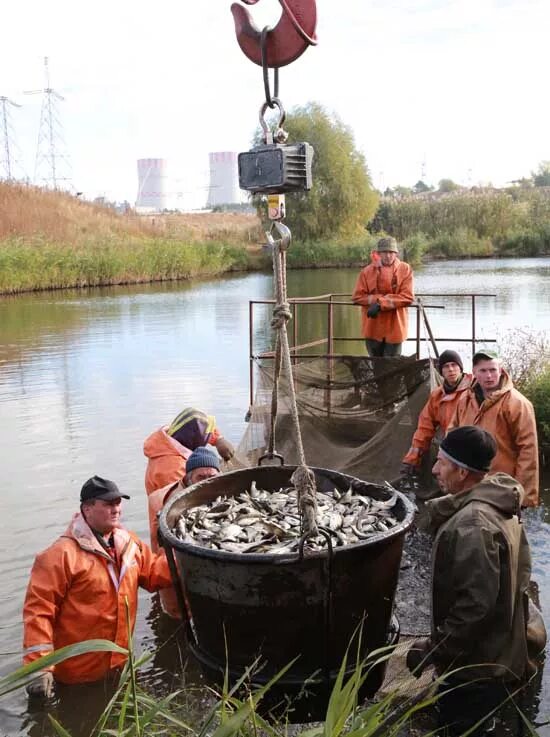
342, 199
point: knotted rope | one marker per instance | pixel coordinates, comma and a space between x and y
302, 478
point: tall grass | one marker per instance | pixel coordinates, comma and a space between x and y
51, 240
37, 263
237, 710
472, 224
61, 218
317, 255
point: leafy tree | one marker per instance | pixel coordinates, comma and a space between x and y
420, 187
447, 185
342, 199
401, 191
541, 177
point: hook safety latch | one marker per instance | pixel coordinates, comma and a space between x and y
294, 32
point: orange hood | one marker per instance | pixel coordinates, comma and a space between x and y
160, 444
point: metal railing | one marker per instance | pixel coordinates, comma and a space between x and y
333, 300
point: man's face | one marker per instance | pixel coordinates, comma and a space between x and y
487, 374
103, 516
387, 257
449, 476
451, 372
201, 474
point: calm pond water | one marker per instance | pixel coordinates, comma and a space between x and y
86, 375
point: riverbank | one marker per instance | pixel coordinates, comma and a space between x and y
36, 264
476, 223
53, 240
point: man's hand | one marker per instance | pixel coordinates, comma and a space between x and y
225, 449
373, 310
418, 656
407, 469
42, 687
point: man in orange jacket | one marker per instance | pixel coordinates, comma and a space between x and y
79, 585
384, 288
169, 447
493, 404
202, 464
438, 410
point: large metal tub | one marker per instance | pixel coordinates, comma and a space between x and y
279, 607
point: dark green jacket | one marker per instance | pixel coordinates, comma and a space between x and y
481, 565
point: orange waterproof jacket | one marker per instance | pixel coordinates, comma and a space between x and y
435, 415
510, 417
167, 458
76, 592
392, 288
156, 502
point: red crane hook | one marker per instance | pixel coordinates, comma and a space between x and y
294, 32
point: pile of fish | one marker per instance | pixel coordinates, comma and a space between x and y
259, 521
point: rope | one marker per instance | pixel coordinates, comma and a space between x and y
302, 478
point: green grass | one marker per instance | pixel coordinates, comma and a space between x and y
470, 224
35, 263
324, 254
237, 709
27, 265
537, 390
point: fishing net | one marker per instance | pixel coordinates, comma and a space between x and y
357, 414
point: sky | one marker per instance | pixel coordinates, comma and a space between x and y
444, 88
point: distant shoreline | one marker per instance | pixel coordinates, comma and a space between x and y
27, 268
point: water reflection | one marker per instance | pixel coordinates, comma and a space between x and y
85, 376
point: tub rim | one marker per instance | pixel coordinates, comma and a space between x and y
379, 538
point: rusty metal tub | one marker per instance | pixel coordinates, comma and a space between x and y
280, 607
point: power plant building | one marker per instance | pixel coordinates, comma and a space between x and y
224, 179
152, 185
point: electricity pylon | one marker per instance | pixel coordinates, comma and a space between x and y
7, 135
49, 154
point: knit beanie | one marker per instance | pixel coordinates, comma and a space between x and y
202, 458
450, 357
470, 447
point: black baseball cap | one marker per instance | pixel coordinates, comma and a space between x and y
98, 488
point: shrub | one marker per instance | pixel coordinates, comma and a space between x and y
525, 353
312, 255
414, 247
461, 242
529, 242
537, 390
526, 356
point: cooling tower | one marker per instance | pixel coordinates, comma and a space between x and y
152, 188
224, 179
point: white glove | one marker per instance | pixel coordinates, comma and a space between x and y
43, 686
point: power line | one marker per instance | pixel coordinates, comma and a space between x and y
7, 135
49, 155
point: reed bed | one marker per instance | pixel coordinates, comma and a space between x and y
53, 240
475, 223
37, 263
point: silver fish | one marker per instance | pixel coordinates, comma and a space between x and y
258, 521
